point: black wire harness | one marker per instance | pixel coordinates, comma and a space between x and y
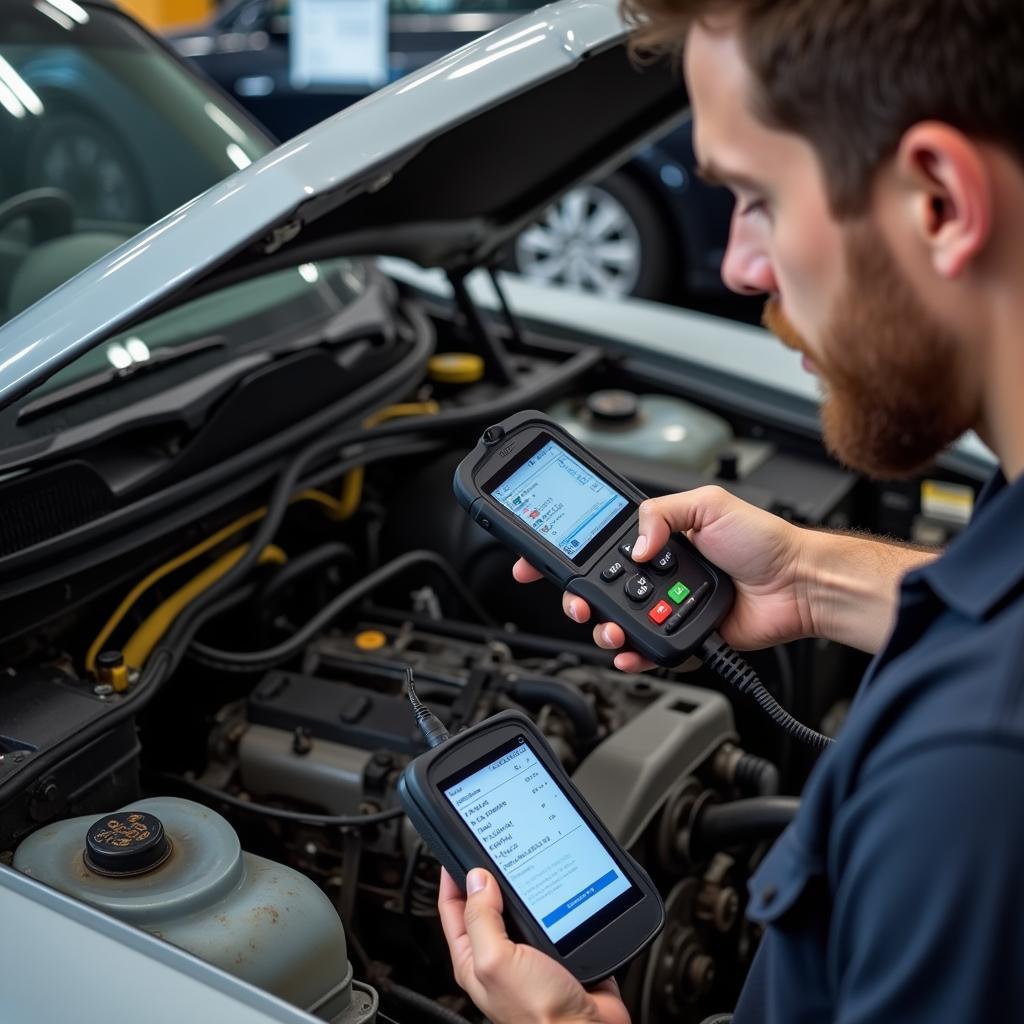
723, 660
166, 657
213, 795
262, 661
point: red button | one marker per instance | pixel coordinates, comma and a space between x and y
660, 612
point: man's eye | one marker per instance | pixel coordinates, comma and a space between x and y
753, 206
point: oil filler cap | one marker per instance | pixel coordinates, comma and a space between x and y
126, 843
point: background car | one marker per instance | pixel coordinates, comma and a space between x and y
96, 142
650, 228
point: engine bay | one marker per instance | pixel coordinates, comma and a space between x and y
243, 646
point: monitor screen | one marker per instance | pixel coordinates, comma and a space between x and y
565, 503
549, 855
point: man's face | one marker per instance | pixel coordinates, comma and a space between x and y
892, 376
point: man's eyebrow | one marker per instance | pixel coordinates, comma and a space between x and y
711, 174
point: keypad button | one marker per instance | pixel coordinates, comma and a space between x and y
664, 562
627, 549
613, 572
660, 612
639, 588
679, 592
686, 608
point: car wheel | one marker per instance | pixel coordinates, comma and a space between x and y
77, 153
605, 238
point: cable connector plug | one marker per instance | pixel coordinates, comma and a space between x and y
433, 729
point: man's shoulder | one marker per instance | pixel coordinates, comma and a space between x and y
934, 708
959, 681
939, 732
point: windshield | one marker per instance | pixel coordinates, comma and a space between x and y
207, 330
102, 132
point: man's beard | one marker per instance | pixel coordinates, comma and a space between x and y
894, 381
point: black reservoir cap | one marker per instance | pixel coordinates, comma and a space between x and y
126, 843
613, 406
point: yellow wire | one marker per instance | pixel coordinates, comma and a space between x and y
393, 412
145, 638
352, 488
339, 508
176, 563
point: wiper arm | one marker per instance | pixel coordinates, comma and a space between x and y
95, 382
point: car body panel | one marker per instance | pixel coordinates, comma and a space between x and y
246, 50
358, 153
102, 963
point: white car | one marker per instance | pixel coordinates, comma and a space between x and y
226, 445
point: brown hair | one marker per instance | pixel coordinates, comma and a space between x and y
851, 76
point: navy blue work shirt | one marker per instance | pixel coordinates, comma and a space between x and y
896, 895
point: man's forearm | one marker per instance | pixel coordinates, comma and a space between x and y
852, 585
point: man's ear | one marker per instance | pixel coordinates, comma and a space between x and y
950, 190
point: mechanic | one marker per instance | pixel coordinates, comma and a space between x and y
876, 151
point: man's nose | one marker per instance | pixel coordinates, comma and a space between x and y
746, 268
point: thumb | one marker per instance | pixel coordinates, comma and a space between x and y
689, 510
484, 924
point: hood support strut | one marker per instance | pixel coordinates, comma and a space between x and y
494, 350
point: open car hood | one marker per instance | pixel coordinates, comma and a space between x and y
443, 167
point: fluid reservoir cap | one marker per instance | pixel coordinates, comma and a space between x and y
371, 640
455, 368
126, 843
109, 659
613, 405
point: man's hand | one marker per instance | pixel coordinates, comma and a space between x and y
790, 582
508, 981
760, 551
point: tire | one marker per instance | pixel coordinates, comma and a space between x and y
606, 238
78, 153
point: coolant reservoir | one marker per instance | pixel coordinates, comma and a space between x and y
651, 428
177, 870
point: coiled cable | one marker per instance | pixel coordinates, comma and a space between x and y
722, 659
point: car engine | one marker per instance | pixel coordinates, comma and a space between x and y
278, 725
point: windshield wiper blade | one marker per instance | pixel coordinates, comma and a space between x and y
158, 357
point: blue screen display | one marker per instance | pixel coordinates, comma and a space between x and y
547, 852
560, 499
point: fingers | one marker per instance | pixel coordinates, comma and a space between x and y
610, 636
575, 607
630, 661
608, 1002
451, 908
524, 572
689, 510
488, 939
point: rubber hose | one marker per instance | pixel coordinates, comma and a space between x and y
167, 656
423, 1004
530, 690
756, 774
308, 561
742, 821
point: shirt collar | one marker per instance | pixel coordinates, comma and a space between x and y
986, 561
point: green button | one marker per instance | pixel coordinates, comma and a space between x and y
679, 593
